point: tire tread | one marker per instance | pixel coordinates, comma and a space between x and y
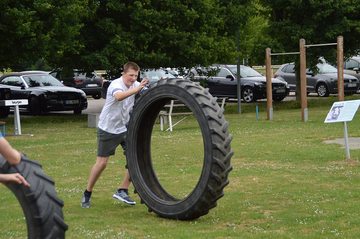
41, 206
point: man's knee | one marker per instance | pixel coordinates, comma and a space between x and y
102, 161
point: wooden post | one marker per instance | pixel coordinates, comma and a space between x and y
269, 85
238, 79
340, 66
303, 83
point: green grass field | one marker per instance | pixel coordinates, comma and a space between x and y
285, 183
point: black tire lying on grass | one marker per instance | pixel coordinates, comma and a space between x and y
40, 204
217, 149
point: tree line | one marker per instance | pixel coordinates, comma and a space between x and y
103, 34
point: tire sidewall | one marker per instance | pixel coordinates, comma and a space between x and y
153, 95
248, 91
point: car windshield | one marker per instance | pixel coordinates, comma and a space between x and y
155, 75
41, 80
245, 71
81, 74
326, 68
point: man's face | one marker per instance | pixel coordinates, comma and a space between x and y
130, 77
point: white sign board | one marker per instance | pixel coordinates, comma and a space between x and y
16, 102
342, 111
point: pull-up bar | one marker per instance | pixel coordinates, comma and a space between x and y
285, 53
303, 85
325, 44
269, 104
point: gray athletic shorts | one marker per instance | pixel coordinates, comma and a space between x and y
108, 142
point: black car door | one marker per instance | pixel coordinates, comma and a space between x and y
16, 86
223, 83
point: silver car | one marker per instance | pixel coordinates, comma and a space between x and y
323, 83
352, 66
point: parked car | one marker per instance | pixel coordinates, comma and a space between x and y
155, 74
5, 94
152, 74
44, 92
223, 82
174, 72
323, 83
352, 66
89, 82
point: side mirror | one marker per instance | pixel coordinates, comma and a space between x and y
356, 69
230, 77
22, 86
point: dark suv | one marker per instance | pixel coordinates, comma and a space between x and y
221, 81
89, 82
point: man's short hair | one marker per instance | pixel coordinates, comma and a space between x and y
131, 65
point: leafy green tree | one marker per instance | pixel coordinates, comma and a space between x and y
246, 24
103, 34
315, 21
156, 33
39, 30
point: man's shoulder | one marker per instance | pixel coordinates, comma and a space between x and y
116, 83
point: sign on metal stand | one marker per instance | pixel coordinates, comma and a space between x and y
343, 111
16, 103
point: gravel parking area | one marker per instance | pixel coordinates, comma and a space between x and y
354, 142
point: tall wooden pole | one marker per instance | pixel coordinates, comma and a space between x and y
238, 79
340, 66
269, 101
303, 83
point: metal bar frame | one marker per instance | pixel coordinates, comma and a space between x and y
285, 53
324, 44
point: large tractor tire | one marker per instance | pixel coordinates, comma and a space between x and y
217, 150
40, 204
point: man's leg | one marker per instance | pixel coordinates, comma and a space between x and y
122, 193
126, 181
95, 173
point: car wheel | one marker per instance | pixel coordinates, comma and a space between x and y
40, 204
4, 112
97, 96
216, 158
34, 106
322, 90
248, 94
